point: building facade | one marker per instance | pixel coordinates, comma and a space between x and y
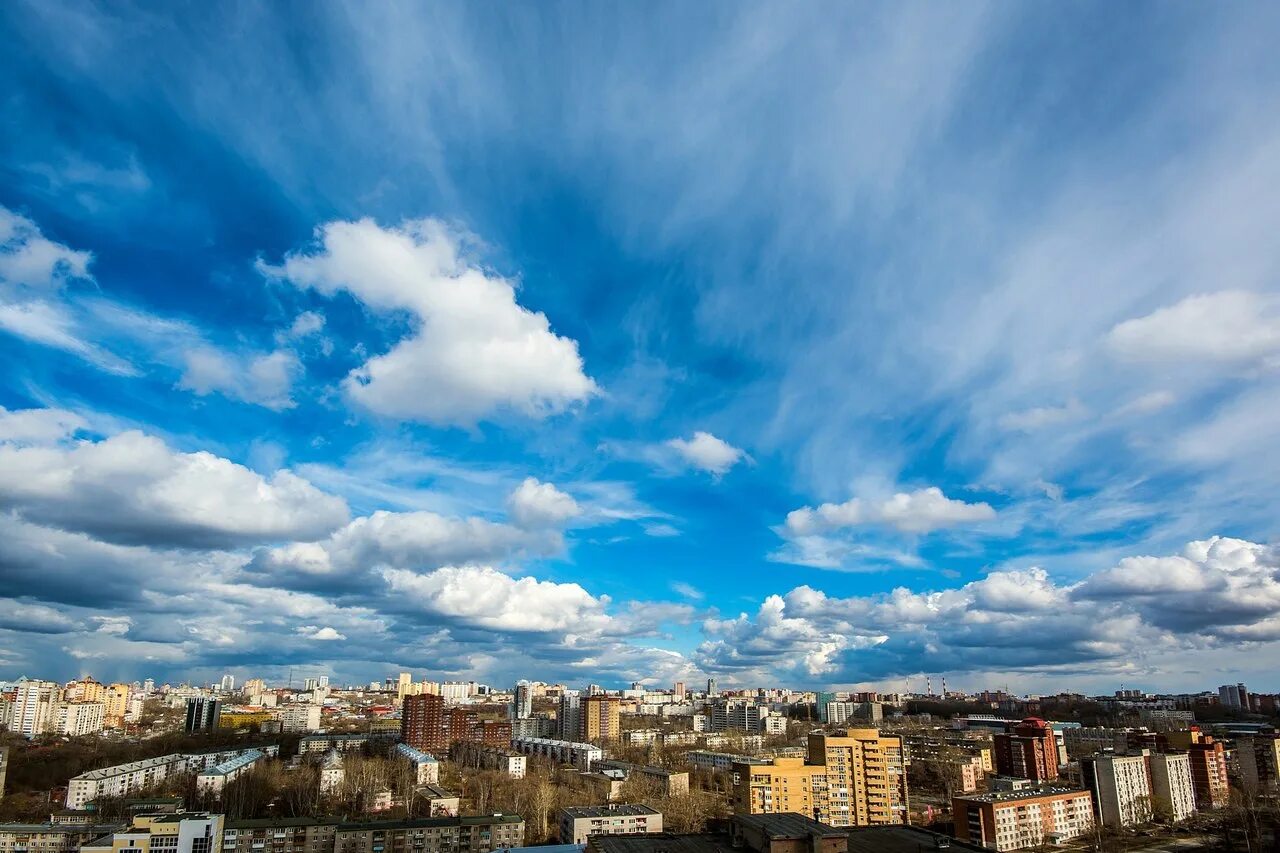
601, 719
1121, 788
579, 823
203, 714
1017, 820
1027, 750
1173, 793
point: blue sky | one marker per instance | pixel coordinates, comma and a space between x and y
829, 345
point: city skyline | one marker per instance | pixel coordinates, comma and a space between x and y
818, 347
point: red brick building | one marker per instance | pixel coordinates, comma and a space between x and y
1028, 750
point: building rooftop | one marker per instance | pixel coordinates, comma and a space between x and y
233, 764
1024, 794
94, 829
789, 825
436, 792
414, 754
429, 822
578, 812
902, 839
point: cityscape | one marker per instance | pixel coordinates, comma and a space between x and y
639, 426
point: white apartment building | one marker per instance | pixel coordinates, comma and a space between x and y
33, 708
1121, 788
425, 767
580, 755
75, 719
720, 762
217, 777
579, 823
332, 772
1172, 789
1018, 820
123, 779
299, 718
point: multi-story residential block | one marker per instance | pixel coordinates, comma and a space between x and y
1121, 788
203, 713
1017, 820
32, 713
1173, 794
116, 702
538, 725
50, 837
720, 762
185, 832
299, 717
1258, 757
422, 722
426, 770
1027, 750
744, 715
76, 719
213, 779
4, 768
522, 701
425, 835
332, 773
278, 835
435, 801
1089, 740
854, 779
320, 744
670, 783
579, 823
121, 780
569, 716
839, 713
483, 757
1208, 767
601, 720
580, 755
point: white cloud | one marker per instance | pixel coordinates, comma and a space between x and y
474, 352
38, 426
313, 632
132, 488
538, 504
1030, 420
707, 453
921, 511
28, 258
34, 618
486, 598
403, 540
265, 379
687, 590
1227, 327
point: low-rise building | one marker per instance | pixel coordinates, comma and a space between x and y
579, 823
670, 782
217, 777
580, 755
1016, 820
435, 801
52, 837
426, 770
483, 757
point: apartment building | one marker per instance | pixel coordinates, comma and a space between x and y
579, 823
319, 744
601, 719
76, 719
121, 780
669, 782
50, 837
1173, 793
580, 755
854, 779
426, 769
194, 832
299, 717
116, 702
430, 835
1017, 820
1208, 766
1027, 750
4, 768
1258, 757
213, 779
489, 758
721, 762
1121, 788
569, 716
32, 713
203, 714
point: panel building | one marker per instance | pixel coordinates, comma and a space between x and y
203, 714
1121, 788
1173, 793
1017, 820
853, 779
1027, 750
579, 823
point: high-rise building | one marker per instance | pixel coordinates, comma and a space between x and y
403, 683
1121, 788
1173, 793
422, 722
522, 701
1259, 759
1208, 761
33, 708
228, 684
1234, 696
1028, 750
75, 719
601, 720
117, 704
203, 714
322, 681
711, 687
853, 779
679, 691
569, 719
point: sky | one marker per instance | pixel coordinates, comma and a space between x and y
818, 345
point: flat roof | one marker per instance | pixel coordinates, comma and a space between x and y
901, 839
621, 809
789, 825
98, 828
1023, 794
430, 822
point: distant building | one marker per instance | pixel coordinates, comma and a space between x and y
569, 718
299, 717
203, 714
580, 755
671, 783
483, 757
601, 719
75, 719
1235, 696
32, 713
332, 773
1017, 820
1028, 750
579, 823
720, 762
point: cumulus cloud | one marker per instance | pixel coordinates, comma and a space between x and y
706, 452
28, 258
38, 426
474, 350
315, 632
538, 504
264, 379
1227, 327
921, 511
132, 488
486, 598
403, 540
34, 618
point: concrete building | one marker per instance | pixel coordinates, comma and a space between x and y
121, 780
601, 719
217, 777
116, 702
320, 744
1173, 793
299, 718
193, 832
32, 713
720, 762
1258, 757
1235, 696
332, 773
522, 701
76, 719
203, 714
569, 717
1121, 788
436, 801
483, 757
1028, 750
579, 823
744, 715
426, 770
580, 755
430, 835
1017, 820
1208, 767
669, 782
854, 779
50, 837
